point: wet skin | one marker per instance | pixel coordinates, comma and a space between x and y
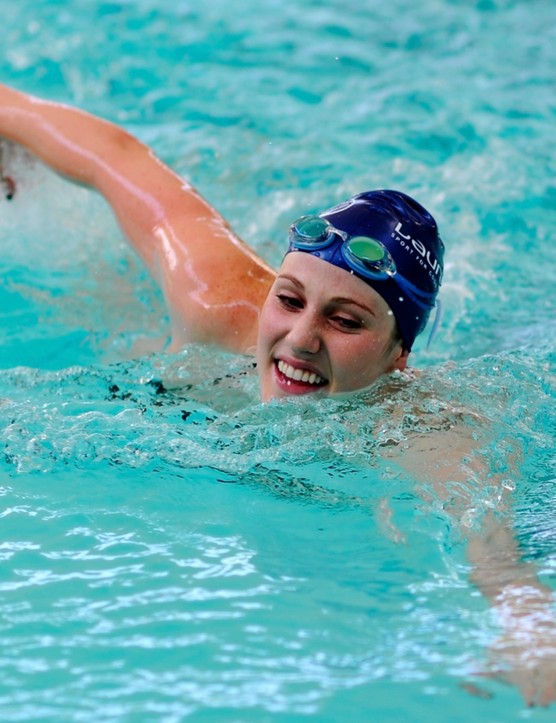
322, 330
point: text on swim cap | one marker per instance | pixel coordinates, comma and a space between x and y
424, 255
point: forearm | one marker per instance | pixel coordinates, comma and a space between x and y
523, 605
95, 153
525, 652
70, 141
499, 570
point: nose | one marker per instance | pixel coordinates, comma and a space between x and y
304, 334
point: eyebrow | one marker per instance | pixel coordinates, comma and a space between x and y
335, 300
293, 279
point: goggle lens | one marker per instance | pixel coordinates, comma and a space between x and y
367, 249
369, 257
310, 230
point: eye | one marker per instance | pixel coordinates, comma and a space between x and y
347, 323
291, 303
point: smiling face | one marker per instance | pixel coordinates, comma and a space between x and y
323, 330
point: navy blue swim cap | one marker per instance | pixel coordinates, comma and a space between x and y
410, 234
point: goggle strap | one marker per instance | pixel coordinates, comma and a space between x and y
424, 299
436, 324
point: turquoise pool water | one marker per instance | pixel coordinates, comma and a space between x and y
172, 549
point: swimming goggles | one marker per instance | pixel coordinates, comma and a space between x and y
366, 256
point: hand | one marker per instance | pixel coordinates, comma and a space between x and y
525, 655
6, 182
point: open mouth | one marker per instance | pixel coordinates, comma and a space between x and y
298, 380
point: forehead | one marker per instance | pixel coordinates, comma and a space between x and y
322, 278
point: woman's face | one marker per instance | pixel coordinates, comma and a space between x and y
323, 330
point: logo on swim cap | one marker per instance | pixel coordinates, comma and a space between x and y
424, 255
410, 234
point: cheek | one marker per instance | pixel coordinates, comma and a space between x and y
361, 361
362, 351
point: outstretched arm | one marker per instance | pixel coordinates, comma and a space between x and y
213, 282
525, 652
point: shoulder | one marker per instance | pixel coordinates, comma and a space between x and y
215, 290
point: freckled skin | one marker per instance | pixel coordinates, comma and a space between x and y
319, 318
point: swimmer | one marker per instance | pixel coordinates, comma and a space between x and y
356, 287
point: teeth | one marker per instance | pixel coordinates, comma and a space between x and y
299, 375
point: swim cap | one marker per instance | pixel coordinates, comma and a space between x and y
410, 234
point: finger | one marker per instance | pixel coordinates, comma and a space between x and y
526, 686
476, 690
548, 694
9, 186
